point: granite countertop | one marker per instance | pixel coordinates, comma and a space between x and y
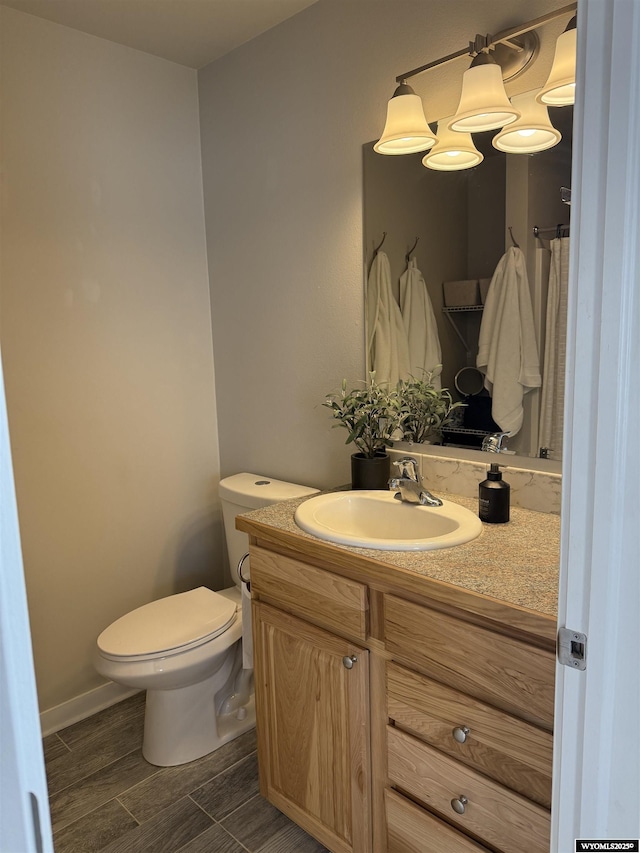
516, 563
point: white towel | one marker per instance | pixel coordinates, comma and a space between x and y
507, 349
552, 397
247, 627
420, 325
387, 345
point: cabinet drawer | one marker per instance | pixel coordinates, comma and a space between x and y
503, 747
498, 816
410, 829
502, 671
323, 598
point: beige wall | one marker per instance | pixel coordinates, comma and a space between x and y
283, 122
106, 337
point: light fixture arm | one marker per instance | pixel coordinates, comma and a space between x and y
488, 42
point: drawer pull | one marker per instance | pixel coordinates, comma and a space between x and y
349, 660
460, 733
459, 804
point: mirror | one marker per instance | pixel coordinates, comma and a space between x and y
461, 221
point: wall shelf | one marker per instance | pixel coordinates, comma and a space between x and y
456, 309
450, 310
462, 431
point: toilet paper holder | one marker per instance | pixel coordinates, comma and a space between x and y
240, 565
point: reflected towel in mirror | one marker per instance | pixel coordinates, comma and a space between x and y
387, 345
552, 397
420, 325
507, 349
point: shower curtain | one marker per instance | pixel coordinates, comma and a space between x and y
552, 397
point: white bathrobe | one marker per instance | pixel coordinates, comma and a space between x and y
507, 349
420, 324
386, 337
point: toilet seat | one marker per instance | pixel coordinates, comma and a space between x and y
168, 626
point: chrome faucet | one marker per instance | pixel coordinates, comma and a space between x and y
409, 485
494, 443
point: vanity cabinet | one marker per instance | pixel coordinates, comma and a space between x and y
397, 715
312, 700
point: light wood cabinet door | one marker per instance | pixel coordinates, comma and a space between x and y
313, 728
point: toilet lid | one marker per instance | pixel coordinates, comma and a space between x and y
186, 619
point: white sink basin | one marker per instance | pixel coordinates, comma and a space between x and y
377, 520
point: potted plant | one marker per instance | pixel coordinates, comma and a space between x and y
372, 415
425, 410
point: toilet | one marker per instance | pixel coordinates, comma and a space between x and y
185, 650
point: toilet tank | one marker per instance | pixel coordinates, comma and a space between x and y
244, 492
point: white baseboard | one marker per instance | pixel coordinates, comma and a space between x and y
83, 706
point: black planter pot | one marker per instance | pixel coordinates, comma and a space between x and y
370, 472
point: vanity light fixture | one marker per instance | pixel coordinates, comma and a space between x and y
406, 130
484, 104
453, 151
531, 132
560, 88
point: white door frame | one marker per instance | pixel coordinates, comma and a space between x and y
597, 745
24, 804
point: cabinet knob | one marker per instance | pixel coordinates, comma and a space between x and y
460, 733
348, 661
459, 804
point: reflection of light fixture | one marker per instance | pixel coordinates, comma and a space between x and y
406, 129
484, 104
560, 88
532, 132
453, 151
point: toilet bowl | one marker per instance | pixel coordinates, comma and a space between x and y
186, 651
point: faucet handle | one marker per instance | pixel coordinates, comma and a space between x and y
407, 467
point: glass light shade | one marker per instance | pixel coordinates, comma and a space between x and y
531, 132
453, 151
483, 103
406, 130
560, 88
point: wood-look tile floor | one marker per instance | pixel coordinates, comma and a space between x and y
105, 797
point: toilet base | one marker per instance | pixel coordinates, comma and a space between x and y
182, 725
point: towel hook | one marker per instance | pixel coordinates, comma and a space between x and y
513, 239
379, 246
408, 255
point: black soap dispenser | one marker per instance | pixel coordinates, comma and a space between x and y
495, 497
